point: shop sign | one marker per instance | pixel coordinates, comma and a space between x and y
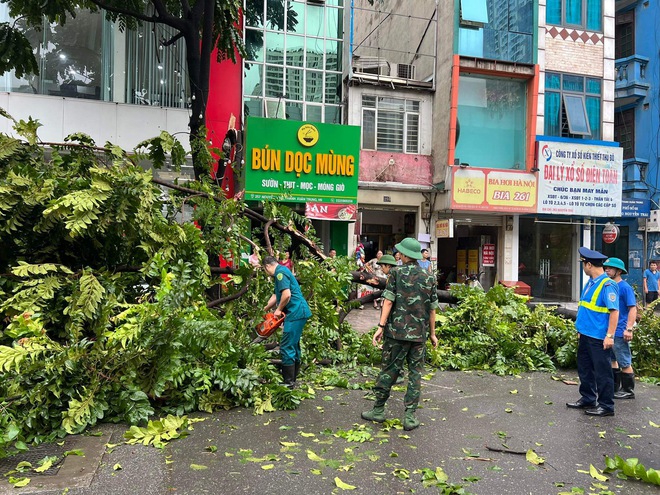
509, 191
444, 229
488, 255
330, 211
473, 261
580, 179
301, 161
636, 208
610, 233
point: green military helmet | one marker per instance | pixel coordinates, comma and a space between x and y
410, 247
387, 259
616, 263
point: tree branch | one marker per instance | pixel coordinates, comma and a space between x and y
233, 296
172, 40
126, 12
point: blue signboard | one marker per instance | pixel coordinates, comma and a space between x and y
635, 208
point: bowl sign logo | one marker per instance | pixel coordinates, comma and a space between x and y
546, 152
308, 135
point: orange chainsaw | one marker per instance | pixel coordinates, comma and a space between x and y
268, 326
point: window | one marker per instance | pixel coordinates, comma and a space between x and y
294, 52
390, 124
474, 13
624, 37
624, 131
587, 14
572, 106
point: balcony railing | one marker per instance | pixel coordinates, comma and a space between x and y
631, 85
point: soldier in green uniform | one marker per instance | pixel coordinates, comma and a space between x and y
407, 320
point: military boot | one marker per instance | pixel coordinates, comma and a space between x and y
289, 375
297, 370
377, 414
410, 422
627, 387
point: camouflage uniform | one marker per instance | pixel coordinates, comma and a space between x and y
412, 291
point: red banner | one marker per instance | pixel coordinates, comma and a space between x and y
331, 211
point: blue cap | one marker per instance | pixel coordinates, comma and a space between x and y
591, 255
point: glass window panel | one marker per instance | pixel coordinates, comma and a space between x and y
294, 111
474, 10
254, 13
624, 131
593, 113
523, 20
369, 101
275, 14
314, 113
332, 88
573, 83
254, 44
389, 133
314, 52
294, 84
333, 25
254, 107
520, 48
274, 48
471, 42
295, 50
314, 86
594, 15
412, 106
340, 3
624, 37
332, 114
492, 115
274, 81
553, 12
386, 103
368, 129
315, 20
275, 109
593, 86
412, 134
332, 55
552, 81
574, 12
252, 82
552, 114
576, 113
297, 10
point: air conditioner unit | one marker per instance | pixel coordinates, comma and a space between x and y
405, 71
653, 223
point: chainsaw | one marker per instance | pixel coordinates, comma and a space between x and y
268, 327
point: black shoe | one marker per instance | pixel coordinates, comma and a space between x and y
581, 404
599, 411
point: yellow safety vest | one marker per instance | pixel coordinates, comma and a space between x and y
592, 305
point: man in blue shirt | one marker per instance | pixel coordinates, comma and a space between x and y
597, 318
651, 277
624, 376
287, 299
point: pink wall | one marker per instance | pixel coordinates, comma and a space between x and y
408, 169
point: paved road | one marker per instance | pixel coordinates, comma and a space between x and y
304, 451
462, 415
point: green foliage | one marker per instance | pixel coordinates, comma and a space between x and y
16, 52
631, 468
644, 347
158, 433
497, 331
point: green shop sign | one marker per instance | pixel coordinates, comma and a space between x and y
299, 161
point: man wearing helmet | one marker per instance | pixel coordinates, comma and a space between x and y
624, 377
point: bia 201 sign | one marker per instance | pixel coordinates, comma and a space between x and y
301, 161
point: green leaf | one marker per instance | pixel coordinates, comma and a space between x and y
198, 467
117, 467
534, 458
19, 482
344, 486
596, 474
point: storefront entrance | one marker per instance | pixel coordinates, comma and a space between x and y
546, 259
